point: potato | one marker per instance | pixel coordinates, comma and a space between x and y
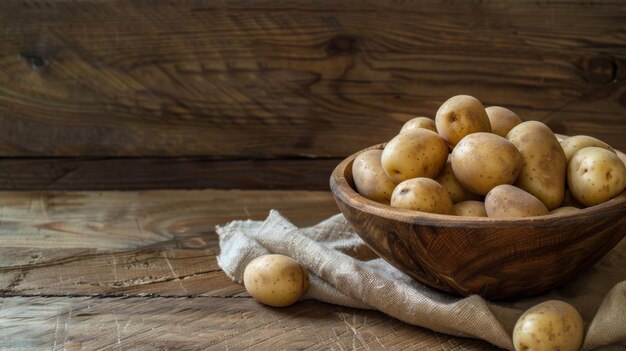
469, 209
502, 120
420, 153
457, 192
577, 142
595, 175
564, 209
509, 201
544, 169
422, 194
276, 280
551, 325
459, 116
370, 179
419, 122
482, 161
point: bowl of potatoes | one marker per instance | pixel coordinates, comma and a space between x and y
478, 201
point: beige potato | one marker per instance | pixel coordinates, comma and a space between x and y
595, 175
422, 194
370, 178
577, 142
469, 209
544, 168
502, 120
276, 280
482, 161
420, 153
459, 116
509, 201
457, 192
551, 325
564, 209
419, 122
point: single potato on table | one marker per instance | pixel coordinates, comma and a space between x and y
448, 180
419, 122
419, 153
422, 194
544, 164
551, 325
595, 175
276, 280
459, 116
482, 161
577, 142
502, 120
509, 201
469, 209
370, 178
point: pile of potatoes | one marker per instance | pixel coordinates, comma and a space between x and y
487, 162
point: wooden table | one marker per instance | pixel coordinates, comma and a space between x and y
137, 270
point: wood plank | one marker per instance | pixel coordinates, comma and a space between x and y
164, 272
163, 173
115, 221
159, 243
306, 78
63, 323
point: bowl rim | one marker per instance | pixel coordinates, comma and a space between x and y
341, 188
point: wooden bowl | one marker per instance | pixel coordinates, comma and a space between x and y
492, 257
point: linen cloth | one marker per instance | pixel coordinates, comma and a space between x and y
344, 271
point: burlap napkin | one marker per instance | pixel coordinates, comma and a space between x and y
344, 271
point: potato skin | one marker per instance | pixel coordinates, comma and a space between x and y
595, 175
469, 209
370, 178
419, 153
276, 280
502, 120
577, 142
459, 116
448, 180
544, 168
551, 325
419, 122
564, 209
482, 161
422, 194
509, 201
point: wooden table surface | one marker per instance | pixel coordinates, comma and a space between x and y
137, 270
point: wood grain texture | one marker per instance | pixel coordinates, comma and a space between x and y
300, 78
497, 258
163, 173
61, 323
137, 271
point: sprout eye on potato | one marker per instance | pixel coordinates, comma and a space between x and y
523, 168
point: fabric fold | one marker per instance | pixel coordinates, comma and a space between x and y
344, 271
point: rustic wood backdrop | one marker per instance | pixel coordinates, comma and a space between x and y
265, 94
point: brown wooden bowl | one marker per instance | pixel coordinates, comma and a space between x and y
492, 257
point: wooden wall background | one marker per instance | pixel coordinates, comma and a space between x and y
117, 94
